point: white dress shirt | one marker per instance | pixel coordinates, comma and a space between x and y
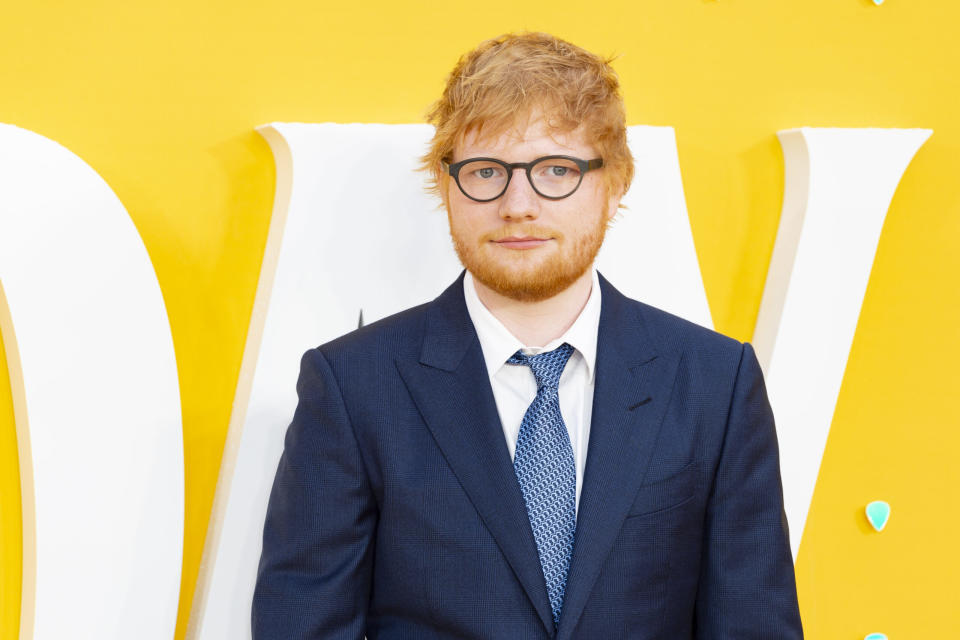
515, 387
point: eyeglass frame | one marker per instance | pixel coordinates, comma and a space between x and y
583, 165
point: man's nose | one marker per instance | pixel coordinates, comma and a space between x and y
519, 200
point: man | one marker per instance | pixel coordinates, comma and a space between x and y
531, 454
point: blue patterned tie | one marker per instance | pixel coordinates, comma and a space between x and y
545, 468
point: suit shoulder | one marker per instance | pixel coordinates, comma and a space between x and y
709, 362
388, 336
685, 336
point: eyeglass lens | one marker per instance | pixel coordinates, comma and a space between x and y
552, 177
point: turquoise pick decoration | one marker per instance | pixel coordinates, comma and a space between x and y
878, 512
877, 2
876, 636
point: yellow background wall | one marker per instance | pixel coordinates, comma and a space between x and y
162, 99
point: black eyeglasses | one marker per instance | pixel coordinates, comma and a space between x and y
552, 177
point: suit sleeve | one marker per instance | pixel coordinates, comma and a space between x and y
747, 588
314, 576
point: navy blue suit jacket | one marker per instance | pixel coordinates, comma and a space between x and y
395, 511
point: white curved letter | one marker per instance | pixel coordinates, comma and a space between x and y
96, 401
839, 184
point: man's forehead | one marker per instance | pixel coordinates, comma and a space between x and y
535, 128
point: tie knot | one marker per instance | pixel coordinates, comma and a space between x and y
546, 366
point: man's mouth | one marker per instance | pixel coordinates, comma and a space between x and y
522, 242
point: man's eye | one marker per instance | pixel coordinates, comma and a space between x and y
486, 173
560, 171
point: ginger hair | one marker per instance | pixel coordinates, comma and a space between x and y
508, 78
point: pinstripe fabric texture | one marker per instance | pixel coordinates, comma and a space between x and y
546, 471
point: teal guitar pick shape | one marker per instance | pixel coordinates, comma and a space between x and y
876, 636
878, 512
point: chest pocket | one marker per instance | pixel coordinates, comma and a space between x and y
665, 494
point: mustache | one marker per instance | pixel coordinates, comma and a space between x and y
522, 231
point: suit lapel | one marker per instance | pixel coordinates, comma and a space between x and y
451, 387
632, 387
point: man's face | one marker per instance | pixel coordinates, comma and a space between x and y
567, 233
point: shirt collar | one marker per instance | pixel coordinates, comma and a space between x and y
498, 344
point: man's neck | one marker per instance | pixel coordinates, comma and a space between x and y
535, 324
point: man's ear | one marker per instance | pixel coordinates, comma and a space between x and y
443, 186
613, 206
